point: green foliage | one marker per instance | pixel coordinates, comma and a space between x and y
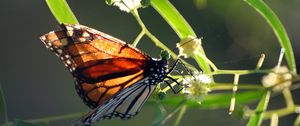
179, 25
215, 101
61, 11
278, 29
257, 117
173, 17
64, 14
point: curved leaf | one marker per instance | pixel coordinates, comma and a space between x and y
278, 29
61, 11
257, 117
173, 17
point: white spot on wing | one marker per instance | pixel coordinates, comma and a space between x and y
69, 28
68, 62
85, 34
59, 51
43, 38
70, 33
77, 27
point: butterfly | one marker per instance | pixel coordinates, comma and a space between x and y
112, 77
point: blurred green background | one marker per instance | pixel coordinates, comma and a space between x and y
36, 84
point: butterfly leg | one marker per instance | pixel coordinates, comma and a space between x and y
175, 92
172, 79
175, 64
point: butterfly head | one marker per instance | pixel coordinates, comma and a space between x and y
165, 56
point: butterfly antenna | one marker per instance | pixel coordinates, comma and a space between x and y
175, 92
189, 72
183, 43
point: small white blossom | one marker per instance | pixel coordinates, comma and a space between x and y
188, 46
127, 5
281, 78
197, 86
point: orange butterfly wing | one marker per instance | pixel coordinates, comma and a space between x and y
101, 65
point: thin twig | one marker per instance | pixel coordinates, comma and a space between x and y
180, 105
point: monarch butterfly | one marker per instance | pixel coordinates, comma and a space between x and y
112, 77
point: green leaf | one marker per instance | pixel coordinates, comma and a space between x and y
3, 111
219, 100
173, 17
61, 11
202, 63
179, 25
278, 29
23, 123
257, 117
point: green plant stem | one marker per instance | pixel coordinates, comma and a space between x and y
138, 38
224, 86
180, 115
180, 26
150, 35
288, 97
257, 117
57, 118
180, 105
201, 55
159, 114
240, 72
229, 86
274, 120
61, 11
158, 43
281, 112
279, 30
52, 118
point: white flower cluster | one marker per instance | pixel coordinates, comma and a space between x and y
279, 79
188, 46
197, 86
126, 5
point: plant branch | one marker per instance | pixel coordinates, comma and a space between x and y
180, 115
288, 97
180, 105
52, 118
281, 112
157, 42
138, 38
240, 72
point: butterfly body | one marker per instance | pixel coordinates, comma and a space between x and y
153, 75
140, 92
112, 77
